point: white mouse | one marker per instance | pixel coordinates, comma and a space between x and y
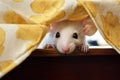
67, 35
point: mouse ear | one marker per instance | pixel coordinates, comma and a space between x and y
53, 27
85, 21
89, 27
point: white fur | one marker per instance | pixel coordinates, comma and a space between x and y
66, 41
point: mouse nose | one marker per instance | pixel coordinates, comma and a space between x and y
65, 50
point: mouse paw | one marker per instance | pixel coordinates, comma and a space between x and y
84, 48
49, 46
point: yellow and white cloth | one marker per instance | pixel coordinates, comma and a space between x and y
24, 23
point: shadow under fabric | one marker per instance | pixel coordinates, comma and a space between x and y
24, 23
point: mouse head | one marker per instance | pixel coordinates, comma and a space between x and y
67, 35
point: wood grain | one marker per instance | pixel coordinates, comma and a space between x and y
92, 51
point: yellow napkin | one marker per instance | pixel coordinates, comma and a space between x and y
24, 23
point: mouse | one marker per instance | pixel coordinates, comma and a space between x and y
67, 36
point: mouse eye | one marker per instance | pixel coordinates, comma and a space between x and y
57, 35
75, 35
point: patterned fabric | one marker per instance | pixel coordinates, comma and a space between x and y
24, 23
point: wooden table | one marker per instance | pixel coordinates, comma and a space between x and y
97, 64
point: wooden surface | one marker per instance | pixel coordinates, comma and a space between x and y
92, 51
100, 64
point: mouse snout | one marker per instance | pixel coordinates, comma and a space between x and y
65, 49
